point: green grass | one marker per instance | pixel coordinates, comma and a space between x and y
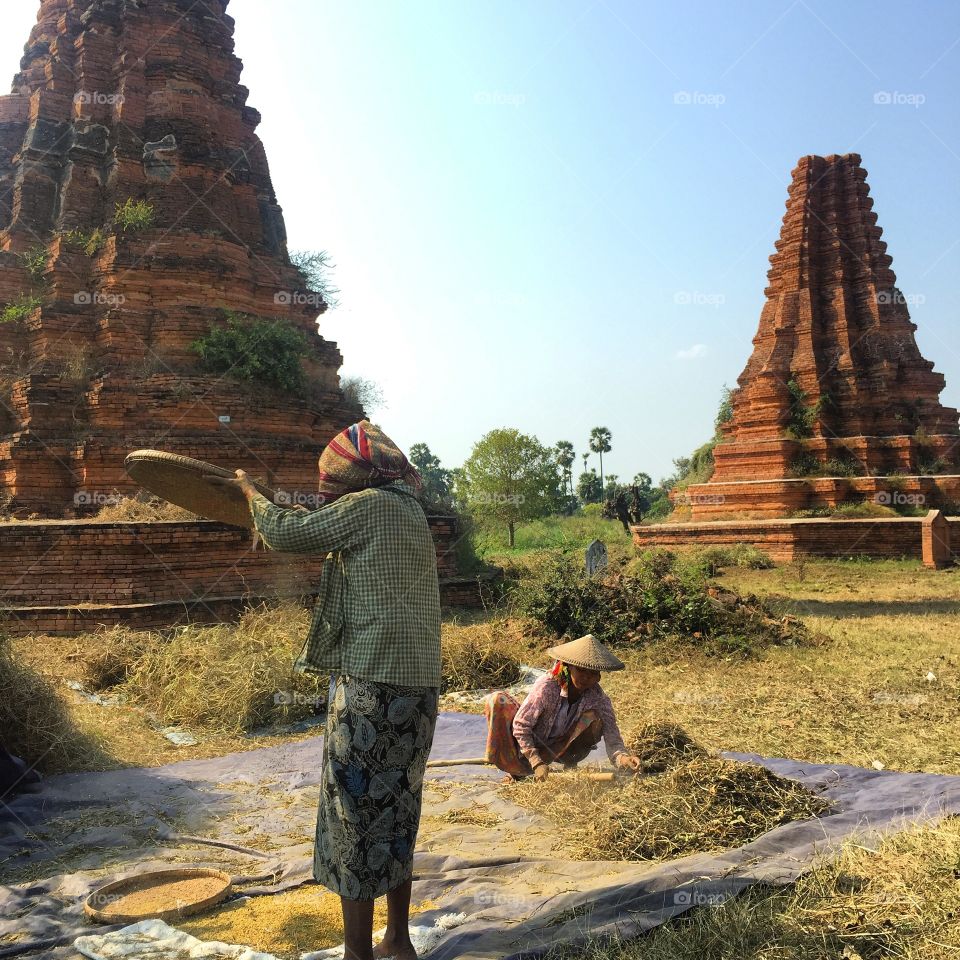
551, 533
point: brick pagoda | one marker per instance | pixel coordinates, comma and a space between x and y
122, 101
836, 403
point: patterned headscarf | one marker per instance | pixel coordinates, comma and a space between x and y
362, 456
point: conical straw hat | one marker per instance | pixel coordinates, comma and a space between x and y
588, 653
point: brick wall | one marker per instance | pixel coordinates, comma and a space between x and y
784, 540
67, 576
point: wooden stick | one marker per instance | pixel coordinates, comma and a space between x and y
604, 776
463, 762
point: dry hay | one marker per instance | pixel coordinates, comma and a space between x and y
108, 657
229, 677
662, 746
699, 804
143, 508
35, 721
482, 655
284, 924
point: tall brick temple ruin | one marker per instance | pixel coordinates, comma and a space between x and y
836, 404
117, 101
137, 214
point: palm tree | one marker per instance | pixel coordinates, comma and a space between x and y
565, 457
600, 438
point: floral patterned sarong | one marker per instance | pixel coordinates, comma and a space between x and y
378, 738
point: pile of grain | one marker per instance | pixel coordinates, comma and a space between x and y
285, 924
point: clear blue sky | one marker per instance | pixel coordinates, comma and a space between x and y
531, 231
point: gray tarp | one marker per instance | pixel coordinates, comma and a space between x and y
83, 829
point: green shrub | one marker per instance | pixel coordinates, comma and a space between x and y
743, 555
133, 216
20, 309
89, 242
803, 416
661, 595
255, 350
35, 261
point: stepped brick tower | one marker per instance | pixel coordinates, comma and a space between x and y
117, 101
836, 404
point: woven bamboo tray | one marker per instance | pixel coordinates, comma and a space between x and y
182, 480
158, 895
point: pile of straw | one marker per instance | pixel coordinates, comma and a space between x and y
231, 677
35, 722
481, 656
699, 804
662, 746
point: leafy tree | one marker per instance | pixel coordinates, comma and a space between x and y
566, 457
588, 487
509, 478
600, 438
643, 482
613, 488
437, 481
367, 393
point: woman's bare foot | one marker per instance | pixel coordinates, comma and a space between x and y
399, 950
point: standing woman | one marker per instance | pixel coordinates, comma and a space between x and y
376, 632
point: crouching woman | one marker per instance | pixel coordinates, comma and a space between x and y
565, 716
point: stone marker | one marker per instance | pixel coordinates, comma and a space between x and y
596, 557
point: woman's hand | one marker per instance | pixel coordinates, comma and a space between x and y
627, 761
241, 482
541, 771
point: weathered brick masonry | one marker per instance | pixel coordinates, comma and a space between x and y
63, 577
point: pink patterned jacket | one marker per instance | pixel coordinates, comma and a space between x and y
545, 716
